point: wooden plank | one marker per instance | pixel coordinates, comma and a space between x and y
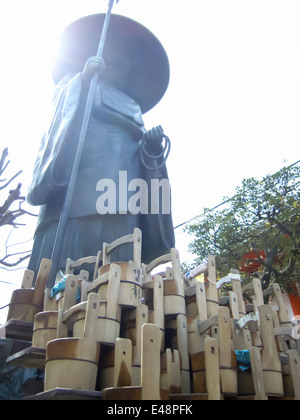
27, 279
212, 369
72, 264
32, 357
201, 300
283, 312
135, 238
16, 329
113, 291
173, 371
142, 317
182, 342
257, 374
164, 259
189, 397
150, 361
158, 308
123, 362
227, 360
212, 294
208, 323
41, 281
258, 291
237, 289
270, 356
294, 365
66, 394
234, 306
69, 298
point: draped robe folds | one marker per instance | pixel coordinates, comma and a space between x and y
112, 144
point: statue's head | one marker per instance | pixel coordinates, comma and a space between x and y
136, 61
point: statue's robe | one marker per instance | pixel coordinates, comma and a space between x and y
112, 144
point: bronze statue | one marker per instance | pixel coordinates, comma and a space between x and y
122, 164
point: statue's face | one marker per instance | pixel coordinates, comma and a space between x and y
117, 69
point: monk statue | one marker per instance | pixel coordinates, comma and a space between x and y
122, 182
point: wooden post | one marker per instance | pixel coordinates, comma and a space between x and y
27, 279
173, 371
257, 374
270, 356
237, 289
201, 300
212, 295
182, 341
158, 307
212, 369
150, 372
142, 317
294, 366
227, 359
123, 362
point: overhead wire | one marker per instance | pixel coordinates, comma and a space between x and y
221, 204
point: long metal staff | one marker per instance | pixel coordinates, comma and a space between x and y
63, 220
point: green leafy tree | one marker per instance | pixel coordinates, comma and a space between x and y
258, 230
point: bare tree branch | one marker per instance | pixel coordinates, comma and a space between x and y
11, 179
9, 216
3, 165
6, 264
13, 196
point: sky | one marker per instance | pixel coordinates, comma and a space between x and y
231, 109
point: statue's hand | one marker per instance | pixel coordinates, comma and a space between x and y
153, 149
93, 65
154, 138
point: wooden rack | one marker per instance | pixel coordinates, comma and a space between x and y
134, 332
